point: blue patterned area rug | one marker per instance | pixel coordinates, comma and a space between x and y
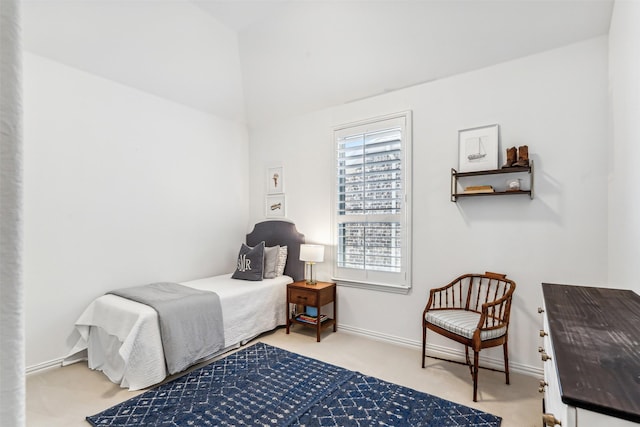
264, 385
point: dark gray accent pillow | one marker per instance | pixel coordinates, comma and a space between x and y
270, 261
250, 263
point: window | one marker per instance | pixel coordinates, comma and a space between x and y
372, 215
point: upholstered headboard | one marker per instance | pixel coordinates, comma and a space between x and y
281, 233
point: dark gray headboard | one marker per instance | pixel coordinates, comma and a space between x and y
281, 233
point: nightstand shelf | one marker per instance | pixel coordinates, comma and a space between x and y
304, 295
308, 320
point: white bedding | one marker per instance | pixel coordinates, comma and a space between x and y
123, 336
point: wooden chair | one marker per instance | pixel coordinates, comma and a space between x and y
472, 310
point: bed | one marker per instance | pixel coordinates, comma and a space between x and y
122, 338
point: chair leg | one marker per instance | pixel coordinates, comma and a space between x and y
475, 376
466, 355
506, 361
424, 342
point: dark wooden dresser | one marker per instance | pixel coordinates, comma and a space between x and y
591, 354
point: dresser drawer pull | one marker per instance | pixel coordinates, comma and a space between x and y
545, 357
540, 310
540, 349
543, 333
301, 298
543, 384
549, 420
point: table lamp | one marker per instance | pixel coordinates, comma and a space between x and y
311, 254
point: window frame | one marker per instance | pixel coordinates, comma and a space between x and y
365, 278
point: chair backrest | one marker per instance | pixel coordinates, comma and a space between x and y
471, 291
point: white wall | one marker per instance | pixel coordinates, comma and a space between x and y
168, 48
555, 102
624, 192
121, 188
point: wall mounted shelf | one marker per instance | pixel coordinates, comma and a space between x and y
455, 176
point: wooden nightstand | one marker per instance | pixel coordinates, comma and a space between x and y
318, 295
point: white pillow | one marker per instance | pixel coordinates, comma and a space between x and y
282, 261
270, 261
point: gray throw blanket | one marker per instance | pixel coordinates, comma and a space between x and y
191, 325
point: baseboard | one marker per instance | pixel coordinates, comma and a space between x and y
432, 350
56, 363
444, 352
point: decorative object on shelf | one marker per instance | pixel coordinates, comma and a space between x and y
513, 184
475, 189
275, 180
311, 254
478, 148
512, 157
517, 157
274, 206
523, 156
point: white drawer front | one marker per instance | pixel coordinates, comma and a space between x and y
552, 398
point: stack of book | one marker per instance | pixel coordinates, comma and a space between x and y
474, 189
305, 318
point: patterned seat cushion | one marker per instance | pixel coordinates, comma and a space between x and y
461, 322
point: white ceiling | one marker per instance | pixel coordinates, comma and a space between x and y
169, 48
266, 60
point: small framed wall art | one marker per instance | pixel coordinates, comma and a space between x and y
478, 148
274, 206
275, 180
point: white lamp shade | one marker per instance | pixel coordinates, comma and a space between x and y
312, 253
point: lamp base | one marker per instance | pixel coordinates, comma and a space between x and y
311, 280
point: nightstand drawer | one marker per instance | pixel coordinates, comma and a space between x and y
300, 296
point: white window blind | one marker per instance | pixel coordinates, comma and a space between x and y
372, 220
